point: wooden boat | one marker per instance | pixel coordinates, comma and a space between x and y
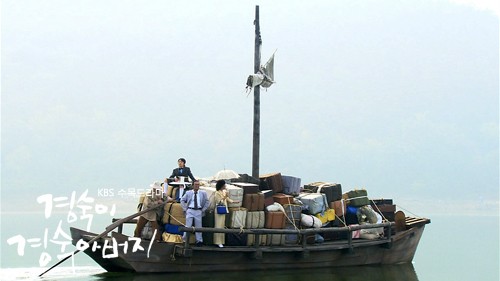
121, 253
397, 246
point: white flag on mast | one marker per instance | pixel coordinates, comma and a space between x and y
264, 77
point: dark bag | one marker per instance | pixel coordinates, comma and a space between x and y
173, 229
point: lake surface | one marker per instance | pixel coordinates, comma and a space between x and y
451, 248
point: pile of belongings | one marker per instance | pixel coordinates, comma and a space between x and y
276, 201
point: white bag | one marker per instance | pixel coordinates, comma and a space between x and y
310, 221
275, 207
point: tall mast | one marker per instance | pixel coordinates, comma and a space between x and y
256, 102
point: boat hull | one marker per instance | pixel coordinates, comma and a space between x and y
169, 257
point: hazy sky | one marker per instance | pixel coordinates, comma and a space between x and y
399, 97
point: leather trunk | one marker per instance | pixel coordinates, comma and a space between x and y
275, 220
283, 198
253, 202
339, 207
386, 210
268, 197
273, 181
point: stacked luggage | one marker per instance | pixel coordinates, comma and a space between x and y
279, 202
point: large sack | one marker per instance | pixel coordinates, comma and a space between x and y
173, 214
210, 190
310, 221
275, 207
366, 214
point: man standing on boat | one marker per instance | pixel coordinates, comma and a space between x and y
182, 171
153, 198
195, 203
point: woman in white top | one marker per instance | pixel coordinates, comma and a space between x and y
221, 197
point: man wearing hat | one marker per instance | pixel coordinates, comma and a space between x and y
153, 198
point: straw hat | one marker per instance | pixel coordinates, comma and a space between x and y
156, 184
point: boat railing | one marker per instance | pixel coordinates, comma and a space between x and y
385, 240
302, 232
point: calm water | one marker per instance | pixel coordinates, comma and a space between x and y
452, 248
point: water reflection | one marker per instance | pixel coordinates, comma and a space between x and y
354, 273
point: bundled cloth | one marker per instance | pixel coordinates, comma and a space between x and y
310, 221
275, 207
366, 215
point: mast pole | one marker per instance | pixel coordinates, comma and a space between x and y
256, 103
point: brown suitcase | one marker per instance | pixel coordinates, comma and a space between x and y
268, 201
274, 181
382, 201
283, 198
339, 207
387, 211
268, 197
253, 202
275, 220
